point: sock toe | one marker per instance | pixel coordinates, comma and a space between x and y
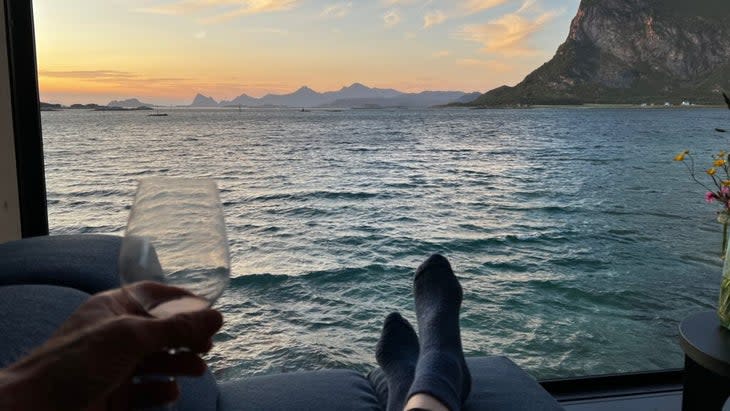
434, 263
397, 339
435, 275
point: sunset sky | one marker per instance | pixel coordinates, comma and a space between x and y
166, 51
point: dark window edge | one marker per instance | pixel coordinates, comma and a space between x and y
614, 385
26, 117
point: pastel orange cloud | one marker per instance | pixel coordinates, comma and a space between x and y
433, 18
475, 6
507, 35
105, 81
112, 83
336, 11
233, 8
403, 2
391, 18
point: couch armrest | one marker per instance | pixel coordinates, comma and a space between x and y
83, 262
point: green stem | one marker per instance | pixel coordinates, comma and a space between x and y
724, 240
692, 172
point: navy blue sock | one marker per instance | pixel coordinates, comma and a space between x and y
397, 353
441, 370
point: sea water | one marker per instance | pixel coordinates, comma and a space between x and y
579, 243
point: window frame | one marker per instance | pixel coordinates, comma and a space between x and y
596, 387
26, 117
34, 208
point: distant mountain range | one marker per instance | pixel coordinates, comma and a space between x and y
203, 101
412, 100
354, 96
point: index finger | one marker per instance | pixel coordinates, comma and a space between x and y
149, 294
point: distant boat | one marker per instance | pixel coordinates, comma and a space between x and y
157, 113
305, 111
720, 130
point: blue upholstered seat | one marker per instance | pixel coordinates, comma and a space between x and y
30, 315
43, 280
329, 390
84, 262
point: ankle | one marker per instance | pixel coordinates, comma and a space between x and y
425, 402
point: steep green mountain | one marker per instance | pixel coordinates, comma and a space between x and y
633, 51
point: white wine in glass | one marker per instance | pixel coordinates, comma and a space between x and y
176, 235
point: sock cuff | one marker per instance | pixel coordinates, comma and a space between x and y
440, 388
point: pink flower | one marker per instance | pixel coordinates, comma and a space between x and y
725, 190
710, 197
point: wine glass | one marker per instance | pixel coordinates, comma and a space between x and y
176, 235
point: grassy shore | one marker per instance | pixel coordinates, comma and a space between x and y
592, 106
624, 106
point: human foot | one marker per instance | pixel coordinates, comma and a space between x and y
441, 370
397, 353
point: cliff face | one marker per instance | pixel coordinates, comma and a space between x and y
633, 51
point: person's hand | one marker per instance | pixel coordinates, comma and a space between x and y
89, 362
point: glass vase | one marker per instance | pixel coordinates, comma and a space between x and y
723, 306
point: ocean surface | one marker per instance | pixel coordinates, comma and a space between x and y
580, 244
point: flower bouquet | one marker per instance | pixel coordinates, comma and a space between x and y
718, 190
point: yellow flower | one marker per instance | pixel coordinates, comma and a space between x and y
680, 156
726, 183
712, 171
719, 163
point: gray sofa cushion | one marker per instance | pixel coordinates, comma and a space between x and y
84, 262
497, 384
31, 314
502, 385
198, 394
330, 390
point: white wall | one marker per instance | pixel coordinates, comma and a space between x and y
9, 206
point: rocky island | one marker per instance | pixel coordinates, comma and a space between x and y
91, 106
632, 52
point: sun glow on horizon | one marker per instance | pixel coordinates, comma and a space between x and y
164, 52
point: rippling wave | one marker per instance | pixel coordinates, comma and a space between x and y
579, 243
